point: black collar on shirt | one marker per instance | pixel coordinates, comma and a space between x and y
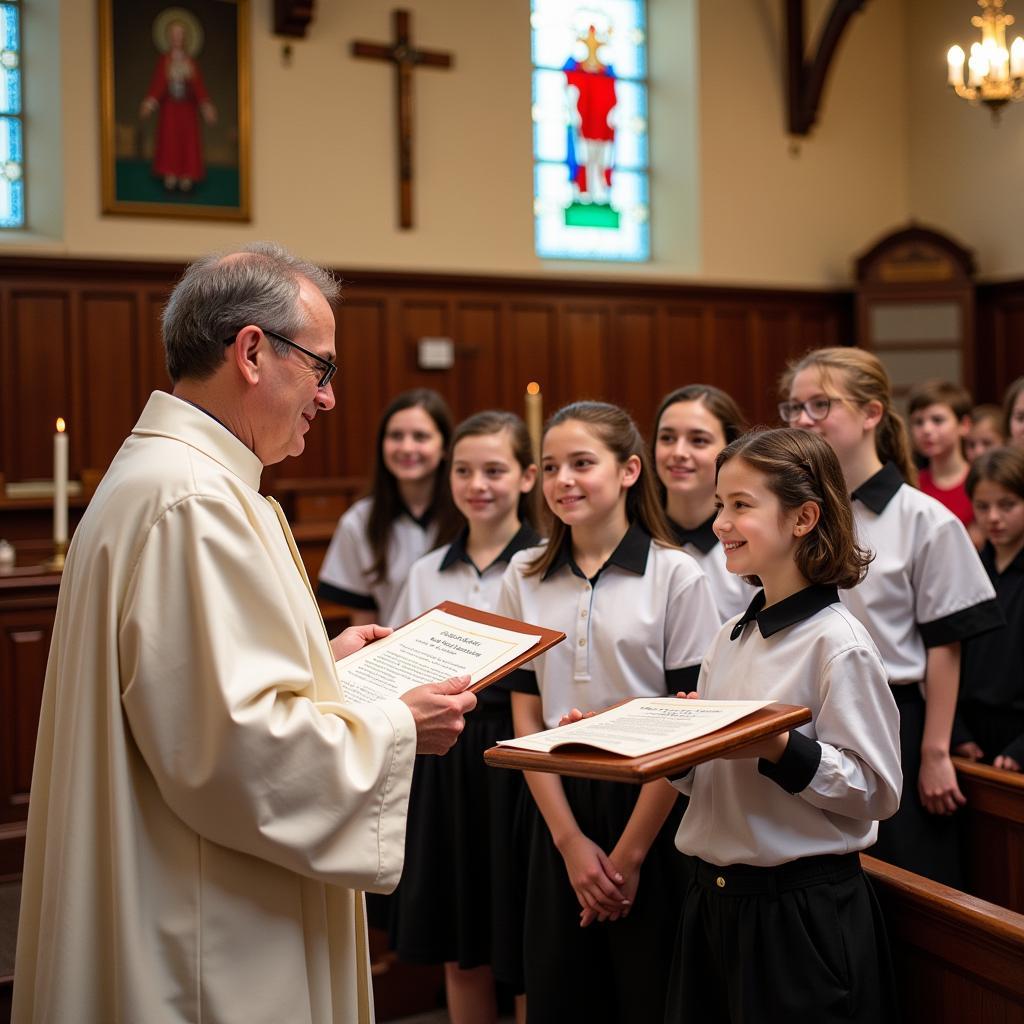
788, 612
988, 559
630, 554
701, 537
877, 491
422, 521
526, 537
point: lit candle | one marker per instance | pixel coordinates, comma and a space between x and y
1017, 58
534, 416
955, 61
60, 485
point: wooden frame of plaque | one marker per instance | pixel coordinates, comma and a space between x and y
671, 762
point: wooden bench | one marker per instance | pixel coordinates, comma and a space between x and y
957, 958
993, 833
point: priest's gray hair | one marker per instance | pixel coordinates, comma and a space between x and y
221, 293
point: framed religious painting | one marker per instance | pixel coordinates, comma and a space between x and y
174, 102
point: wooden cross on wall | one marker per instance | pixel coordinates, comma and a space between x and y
405, 57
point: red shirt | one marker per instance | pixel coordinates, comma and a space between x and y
955, 498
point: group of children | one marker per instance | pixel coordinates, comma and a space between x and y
841, 586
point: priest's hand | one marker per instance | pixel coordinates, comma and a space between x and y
355, 638
439, 710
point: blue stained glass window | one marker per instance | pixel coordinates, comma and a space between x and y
12, 155
590, 135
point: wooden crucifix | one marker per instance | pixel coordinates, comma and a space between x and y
405, 57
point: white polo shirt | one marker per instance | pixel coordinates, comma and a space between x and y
345, 573
731, 593
646, 614
926, 585
840, 772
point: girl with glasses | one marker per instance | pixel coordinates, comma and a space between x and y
925, 590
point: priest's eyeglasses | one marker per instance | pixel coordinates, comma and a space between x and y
816, 408
326, 367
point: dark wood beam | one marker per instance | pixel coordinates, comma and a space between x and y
805, 78
293, 17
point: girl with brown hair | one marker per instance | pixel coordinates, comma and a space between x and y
637, 613
924, 593
692, 426
407, 512
779, 921
460, 899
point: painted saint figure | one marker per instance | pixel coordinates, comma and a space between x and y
591, 139
177, 92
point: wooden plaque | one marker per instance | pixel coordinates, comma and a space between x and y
671, 762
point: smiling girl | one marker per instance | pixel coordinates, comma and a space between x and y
925, 590
408, 511
637, 613
460, 899
779, 922
692, 426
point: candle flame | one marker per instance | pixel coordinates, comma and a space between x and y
60, 425
533, 388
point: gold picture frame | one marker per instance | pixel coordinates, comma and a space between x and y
175, 130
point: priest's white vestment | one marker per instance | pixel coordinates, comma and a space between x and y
205, 807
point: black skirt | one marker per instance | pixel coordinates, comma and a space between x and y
616, 972
461, 895
804, 941
914, 838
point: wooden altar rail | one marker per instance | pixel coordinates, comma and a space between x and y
957, 958
993, 833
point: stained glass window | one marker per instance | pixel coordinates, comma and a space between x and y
12, 157
591, 189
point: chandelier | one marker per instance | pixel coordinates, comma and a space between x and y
995, 75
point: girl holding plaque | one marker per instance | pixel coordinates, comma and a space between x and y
637, 613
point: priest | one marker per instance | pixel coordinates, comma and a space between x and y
206, 808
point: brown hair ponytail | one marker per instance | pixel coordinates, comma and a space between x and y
862, 375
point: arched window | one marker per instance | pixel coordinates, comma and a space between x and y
12, 153
590, 145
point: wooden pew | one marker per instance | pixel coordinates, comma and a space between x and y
957, 958
993, 833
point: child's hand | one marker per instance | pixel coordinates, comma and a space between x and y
575, 715
937, 786
1007, 763
594, 878
692, 695
629, 886
970, 750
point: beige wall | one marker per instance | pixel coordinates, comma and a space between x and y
965, 170
736, 207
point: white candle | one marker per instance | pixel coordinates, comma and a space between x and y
60, 485
955, 61
1017, 58
534, 416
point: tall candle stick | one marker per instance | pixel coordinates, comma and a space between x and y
60, 485
534, 416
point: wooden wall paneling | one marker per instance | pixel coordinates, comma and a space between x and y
632, 362
736, 364
584, 345
418, 316
478, 341
779, 331
360, 387
152, 360
106, 371
40, 381
683, 355
529, 353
